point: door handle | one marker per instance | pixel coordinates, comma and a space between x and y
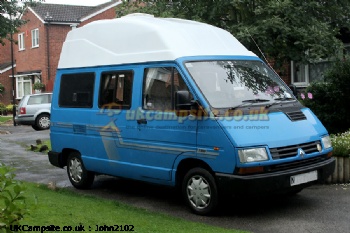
141, 121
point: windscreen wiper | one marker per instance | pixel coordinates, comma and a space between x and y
248, 103
256, 100
280, 100
285, 98
240, 105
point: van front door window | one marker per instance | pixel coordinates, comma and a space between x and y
159, 87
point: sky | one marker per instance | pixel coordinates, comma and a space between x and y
77, 2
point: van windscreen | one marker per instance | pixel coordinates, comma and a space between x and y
227, 84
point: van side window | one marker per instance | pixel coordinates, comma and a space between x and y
76, 90
159, 86
115, 90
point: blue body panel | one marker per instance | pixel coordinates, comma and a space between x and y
114, 143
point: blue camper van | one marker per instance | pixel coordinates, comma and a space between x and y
184, 104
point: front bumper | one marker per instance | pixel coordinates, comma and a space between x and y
274, 182
55, 159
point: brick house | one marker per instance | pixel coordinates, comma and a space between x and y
39, 44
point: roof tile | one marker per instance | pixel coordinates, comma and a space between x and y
67, 13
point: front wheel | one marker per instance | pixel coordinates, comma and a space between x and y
200, 191
78, 175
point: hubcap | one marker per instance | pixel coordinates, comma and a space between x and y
75, 170
198, 192
44, 122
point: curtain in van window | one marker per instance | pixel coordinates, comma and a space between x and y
115, 90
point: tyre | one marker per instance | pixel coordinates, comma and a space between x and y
78, 175
35, 127
199, 191
42, 122
294, 192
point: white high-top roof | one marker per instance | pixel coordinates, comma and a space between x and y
142, 38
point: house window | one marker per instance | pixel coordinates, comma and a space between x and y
35, 38
24, 86
21, 41
304, 74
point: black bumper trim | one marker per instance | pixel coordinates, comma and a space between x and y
55, 159
275, 182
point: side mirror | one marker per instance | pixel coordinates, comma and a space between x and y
183, 103
182, 100
294, 90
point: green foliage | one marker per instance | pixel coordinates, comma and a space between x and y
4, 119
40, 146
63, 207
2, 109
331, 98
12, 201
282, 29
38, 86
341, 144
2, 88
9, 108
9, 16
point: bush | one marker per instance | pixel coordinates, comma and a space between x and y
2, 89
9, 108
341, 144
331, 98
12, 202
3, 110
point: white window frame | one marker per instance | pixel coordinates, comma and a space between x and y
21, 44
306, 74
20, 88
341, 54
35, 38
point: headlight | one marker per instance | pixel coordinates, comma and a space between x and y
326, 142
252, 155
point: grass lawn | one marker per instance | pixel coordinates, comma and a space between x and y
43, 147
5, 118
65, 208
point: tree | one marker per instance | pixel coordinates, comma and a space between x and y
10, 10
283, 29
330, 101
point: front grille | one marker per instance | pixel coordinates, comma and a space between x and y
296, 115
295, 164
291, 151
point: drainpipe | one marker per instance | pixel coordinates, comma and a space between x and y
47, 19
13, 79
48, 51
13, 73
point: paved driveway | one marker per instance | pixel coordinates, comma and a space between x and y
320, 209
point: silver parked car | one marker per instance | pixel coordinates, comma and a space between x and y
34, 110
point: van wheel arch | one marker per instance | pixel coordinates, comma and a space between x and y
186, 165
65, 153
79, 177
